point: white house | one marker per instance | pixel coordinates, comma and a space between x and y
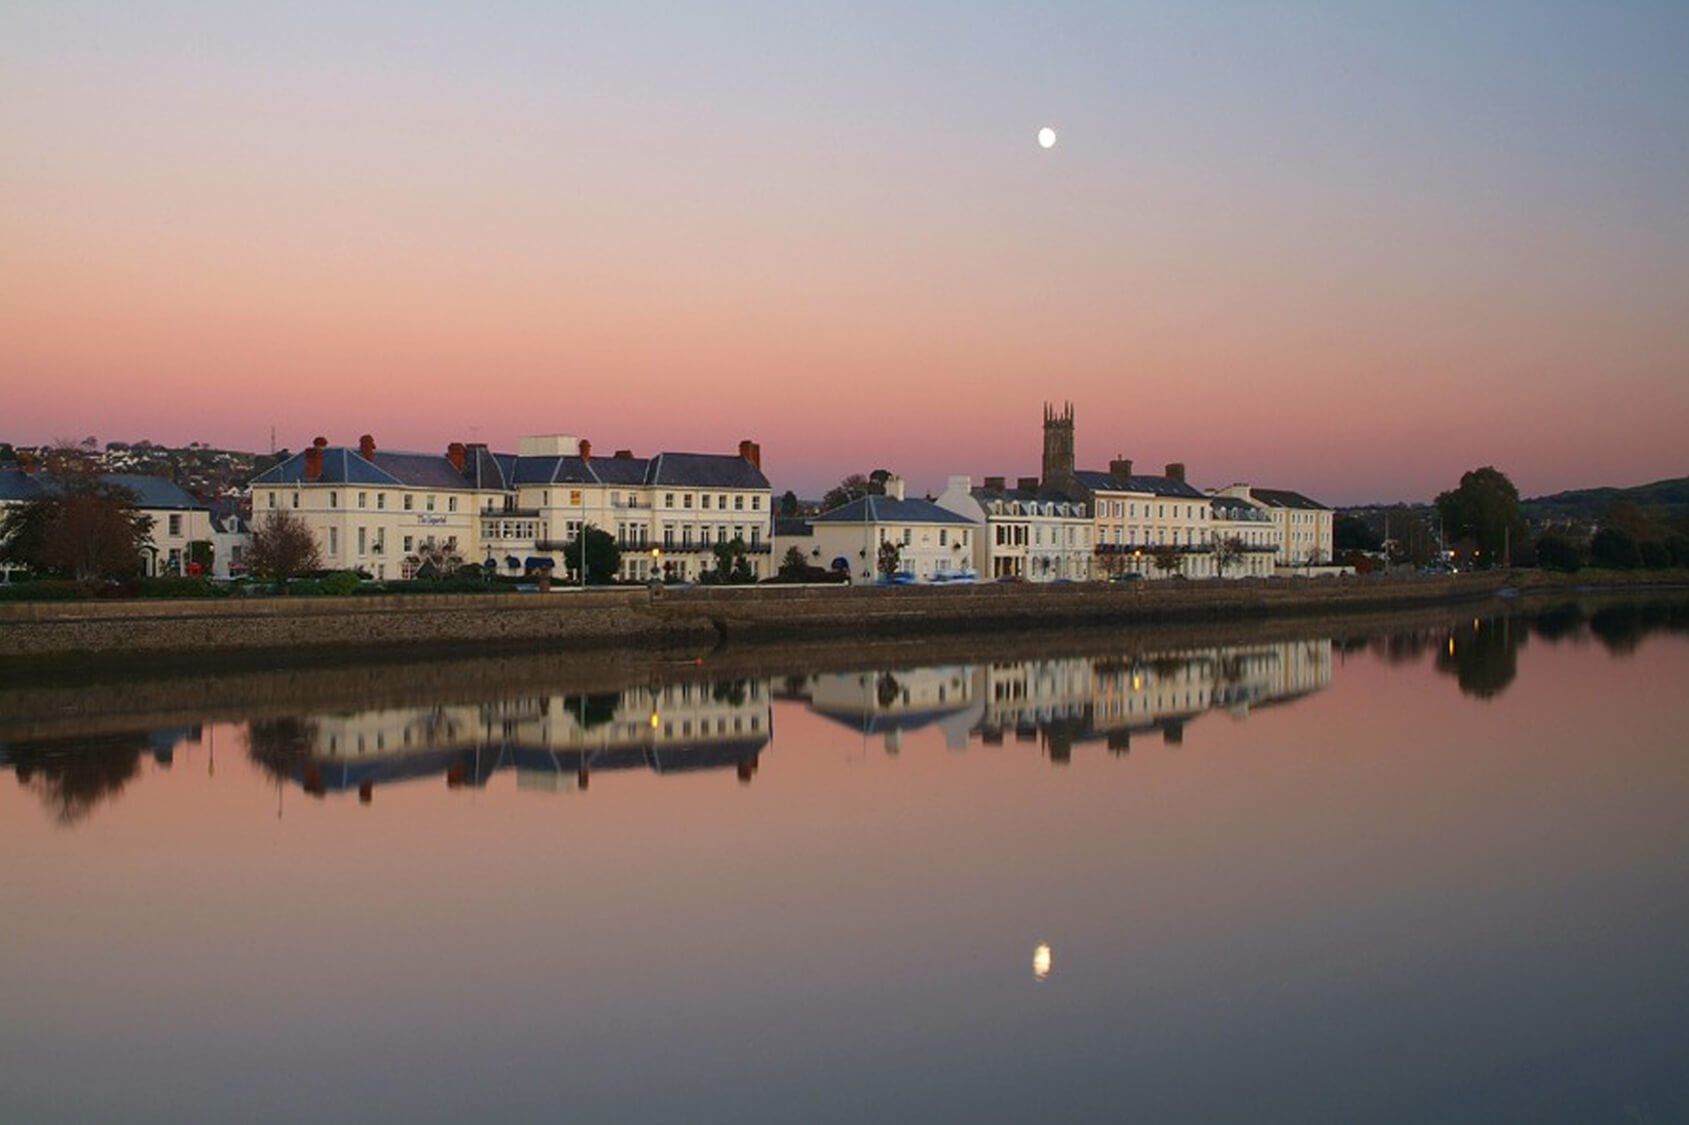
178, 519
1303, 526
930, 541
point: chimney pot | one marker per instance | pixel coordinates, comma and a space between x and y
1176, 471
319, 442
457, 455
751, 452
1120, 467
586, 450
366, 447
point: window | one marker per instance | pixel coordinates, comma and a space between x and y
908, 536
668, 535
943, 537
451, 503
272, 500
721, 502
668, 499
686, 536
739, 503
363, 499
363, 540
334, 540
409, 544
410, 502
686, 500
756, 503
429, 502
296, 499
380, 501
756, 534
175, 525
706, 501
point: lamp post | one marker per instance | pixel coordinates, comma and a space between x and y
656, 564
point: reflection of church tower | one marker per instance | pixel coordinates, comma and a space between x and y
1058, 444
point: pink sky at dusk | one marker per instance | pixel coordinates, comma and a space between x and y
1350, 255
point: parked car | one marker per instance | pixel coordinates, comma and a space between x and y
1126, 576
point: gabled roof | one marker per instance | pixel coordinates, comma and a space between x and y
418, 470
884, 509
793, 526
704, 470
1284, 498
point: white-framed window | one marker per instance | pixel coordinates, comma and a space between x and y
410, 503
296, 499
380, 501
175, 525
334, 499
334, 540
428, 502
363, 499
739, 503
451, 503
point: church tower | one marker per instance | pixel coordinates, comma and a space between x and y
1058, 445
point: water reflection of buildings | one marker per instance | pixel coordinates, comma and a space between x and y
73, 775
552, 743
1059, 703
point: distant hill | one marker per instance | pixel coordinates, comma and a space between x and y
1668, 496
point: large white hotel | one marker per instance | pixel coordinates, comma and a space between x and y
391, 513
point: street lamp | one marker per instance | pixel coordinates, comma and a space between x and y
656, 564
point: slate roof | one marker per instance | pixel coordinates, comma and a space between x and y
150, 492
1137, 482
792, 526
17, 485
1284, 498
705, 470
1230, 504
484, 469
884, 509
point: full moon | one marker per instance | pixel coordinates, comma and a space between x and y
1046, 137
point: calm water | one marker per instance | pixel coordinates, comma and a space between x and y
1436, 872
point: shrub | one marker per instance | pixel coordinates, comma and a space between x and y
1655, 555
305, 586
44, 590
175, 588
342, 583
1557, 552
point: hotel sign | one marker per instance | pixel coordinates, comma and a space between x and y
431, 521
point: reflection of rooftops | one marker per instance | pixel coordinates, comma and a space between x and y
873, 721
479, 763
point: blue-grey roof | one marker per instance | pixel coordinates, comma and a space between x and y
705, 470
620, 470
1284, 498
884, 509
1156, 486
17, 485
150, 492
419, 470
340, 466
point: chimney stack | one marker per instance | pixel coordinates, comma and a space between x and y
457, 454
996, 484
894, 487
586, 450
1120, 467
751, 452
314, 459
1176, 471
1027, 484
366, 447
624, 455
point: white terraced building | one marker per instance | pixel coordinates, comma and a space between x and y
1027, 531
178, 520
390, 513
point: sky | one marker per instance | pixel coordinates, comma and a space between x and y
1352, 249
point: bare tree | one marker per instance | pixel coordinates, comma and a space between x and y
282, 547
1168, 558
1228, 552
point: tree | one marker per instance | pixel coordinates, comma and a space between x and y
855, 487
80, 526
1486, 507
282, 547
1228, 553
890, 558
789, 503
1557, 551
1615, 548
732, 565
1351, 533
603, 557
1167, 558
434, 559
793, 565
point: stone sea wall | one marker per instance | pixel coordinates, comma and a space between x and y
639, 617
